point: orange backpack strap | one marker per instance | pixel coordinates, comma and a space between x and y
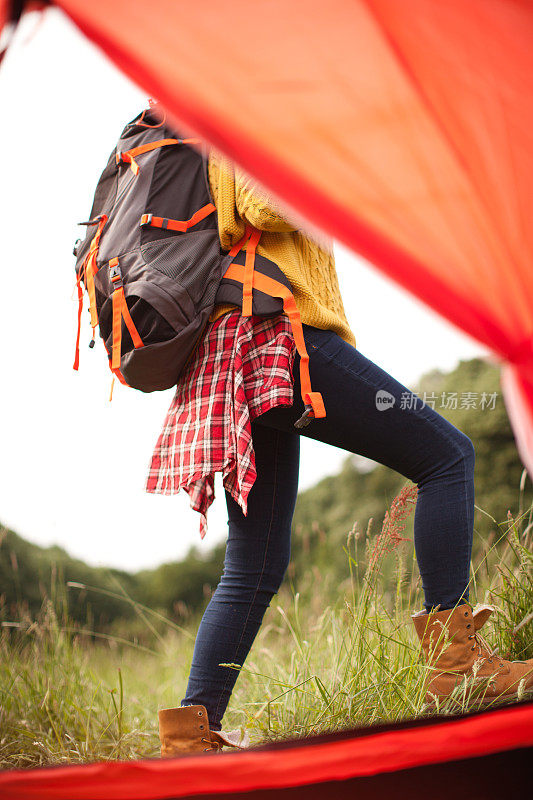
88, 271
120, 310
251, 247
80, 309
313, 402
175, 224
251, 240
129, 156
242, 241
91, 269
153, 105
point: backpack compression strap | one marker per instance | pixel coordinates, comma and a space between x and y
120, 309
176, 224
314, 404
129, 156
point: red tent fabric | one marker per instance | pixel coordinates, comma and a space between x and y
481, 755
404, 129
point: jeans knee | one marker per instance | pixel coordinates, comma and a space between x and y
468, 452
455, 454
462, 455
273, 574
273, 580
245, 581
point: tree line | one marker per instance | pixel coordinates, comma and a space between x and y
469, 396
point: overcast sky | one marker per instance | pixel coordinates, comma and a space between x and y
73, 465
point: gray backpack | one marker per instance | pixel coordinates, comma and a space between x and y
153, 266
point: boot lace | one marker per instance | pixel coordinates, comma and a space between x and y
214, 745
484, 650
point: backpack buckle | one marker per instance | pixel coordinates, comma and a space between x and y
93, 221
146, 219
115, 275
306, 417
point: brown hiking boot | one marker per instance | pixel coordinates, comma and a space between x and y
454, 649
185, 730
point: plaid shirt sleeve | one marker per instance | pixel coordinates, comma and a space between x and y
242, 367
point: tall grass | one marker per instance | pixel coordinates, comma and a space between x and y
327, 656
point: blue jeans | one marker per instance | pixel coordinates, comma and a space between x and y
411, 438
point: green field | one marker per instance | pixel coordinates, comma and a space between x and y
88, 655
332, 655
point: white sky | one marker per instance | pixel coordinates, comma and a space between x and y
73, 465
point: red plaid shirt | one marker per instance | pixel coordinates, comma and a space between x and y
241, 368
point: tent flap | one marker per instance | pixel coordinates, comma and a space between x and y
402, 129
399, 760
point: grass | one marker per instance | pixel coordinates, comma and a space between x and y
328, 655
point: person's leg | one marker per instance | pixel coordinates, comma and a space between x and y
411, 438
257, 556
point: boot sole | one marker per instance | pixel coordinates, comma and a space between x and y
481, 702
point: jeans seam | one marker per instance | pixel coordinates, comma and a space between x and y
466, 590
262, 570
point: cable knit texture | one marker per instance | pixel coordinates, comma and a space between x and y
309, 267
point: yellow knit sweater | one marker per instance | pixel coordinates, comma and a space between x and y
308, 266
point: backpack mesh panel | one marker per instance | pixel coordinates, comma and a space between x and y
210, 293
191, 260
